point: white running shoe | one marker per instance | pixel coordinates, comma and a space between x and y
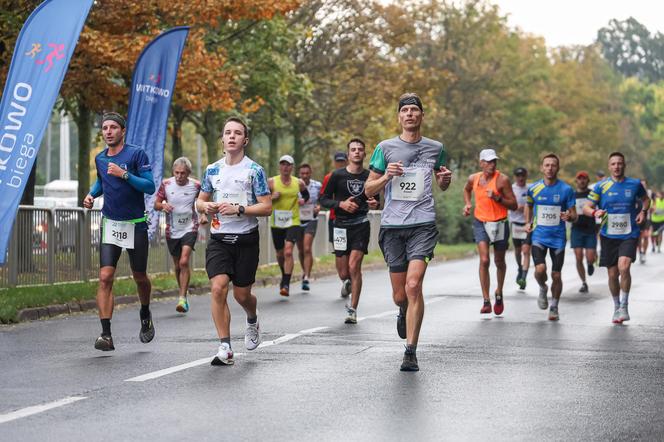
616, 316
351, 316
543, 300
346, 288
252, 336
623, 313
224, 356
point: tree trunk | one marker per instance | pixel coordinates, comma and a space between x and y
82, 118
178, 115
273, 144
210, 133
28, 197
298, 150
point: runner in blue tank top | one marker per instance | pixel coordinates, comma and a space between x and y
550, 203
124, 176
616, 200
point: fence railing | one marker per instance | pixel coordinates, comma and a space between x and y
50, 246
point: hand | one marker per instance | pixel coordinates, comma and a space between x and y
202, 219
211, 208
443, 177
316, 211
349, 205
301, 201
599, 213
492, 195
115, 170
565, 216
88, 201
228, 209
640, 217
373, 203
275, 195
166, 207
529, 227
466, 210
394, 169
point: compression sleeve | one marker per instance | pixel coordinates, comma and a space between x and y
96, 190
143, 182
305, 194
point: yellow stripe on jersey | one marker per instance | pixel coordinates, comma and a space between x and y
538, 188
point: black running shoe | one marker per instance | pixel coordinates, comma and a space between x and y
147, 330
409, 361
401, 323
591, 269
104, 343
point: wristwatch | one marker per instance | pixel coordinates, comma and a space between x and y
240, 210
125, 176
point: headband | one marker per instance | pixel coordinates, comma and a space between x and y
412, 99
114, 116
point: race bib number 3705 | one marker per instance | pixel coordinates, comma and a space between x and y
548, 215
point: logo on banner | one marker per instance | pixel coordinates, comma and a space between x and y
355, 187
155, 78
152, 91
57, 53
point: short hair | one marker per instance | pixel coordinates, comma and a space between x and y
551, 155
239, 121
303, 165
183, 161
356, 140
617, 154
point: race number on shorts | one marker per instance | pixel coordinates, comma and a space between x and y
409, 186
119, 233
495, 230
580, 204
619, 224
548, 215
283, 218
340, 240
519, 232
306, 212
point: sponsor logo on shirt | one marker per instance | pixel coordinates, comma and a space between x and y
355, 187
628, 193
556, 198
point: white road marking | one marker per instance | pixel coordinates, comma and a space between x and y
165, 371
29, 411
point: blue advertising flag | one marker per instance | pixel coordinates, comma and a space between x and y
152, 87
41, 57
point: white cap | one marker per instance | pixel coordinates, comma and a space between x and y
287, 158
488, 155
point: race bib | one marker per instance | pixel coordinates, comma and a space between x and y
409, 186
495, 230
119, 233
519, 232
340, 240
234, 198
548, 215
619, 224
283, 219
306, 212
183, 222
580, 204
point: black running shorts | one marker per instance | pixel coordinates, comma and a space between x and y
538, 252
109, 254
280, 236
175, 244
612, 249
357, 238
235, 255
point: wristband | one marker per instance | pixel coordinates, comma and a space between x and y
593, 213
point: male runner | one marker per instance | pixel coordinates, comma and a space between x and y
344, 193
493, 197
124, 176
645, 227
234, 192
285, 219
520, 238
584, 232
404, 166
309, 219
616, 201
657, 221
551, 203
176, 197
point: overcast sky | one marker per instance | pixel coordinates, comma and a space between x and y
565, 22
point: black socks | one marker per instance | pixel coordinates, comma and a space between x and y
145, 312
106, 327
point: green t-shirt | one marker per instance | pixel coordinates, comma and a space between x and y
409, 199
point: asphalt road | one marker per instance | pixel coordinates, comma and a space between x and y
519, 377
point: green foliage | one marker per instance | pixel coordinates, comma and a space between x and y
453, 227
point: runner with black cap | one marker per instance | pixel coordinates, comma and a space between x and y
124, 176
520, 238
405, 167
584, 232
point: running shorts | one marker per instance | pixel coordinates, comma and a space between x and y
612, 249
280, 236
109, 254
175, 244
235, 255
538, 251
357, 238
402, 245
480, 235
583, 240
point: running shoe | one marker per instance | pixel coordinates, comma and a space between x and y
543, 300
224, 355
183, 305
252, 336
409, 361
553, 314
623, 313
591, 269
584, 288
305, 285
104, 343
486, 308
346, 288
147, 330
642, 259
522, 282
401, 323
351, 316
498, 306
616, 316
284, 291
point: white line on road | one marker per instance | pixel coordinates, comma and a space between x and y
29, 411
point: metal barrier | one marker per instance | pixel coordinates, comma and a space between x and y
50, 246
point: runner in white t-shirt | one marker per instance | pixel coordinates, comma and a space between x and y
520, 238
309, 221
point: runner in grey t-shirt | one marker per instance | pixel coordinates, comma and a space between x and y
404, 167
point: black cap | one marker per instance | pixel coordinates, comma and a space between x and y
600, 173
340, 156
520, 171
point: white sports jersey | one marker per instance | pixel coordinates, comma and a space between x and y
183, 218
521, 194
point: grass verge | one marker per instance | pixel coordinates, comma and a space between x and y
13, 300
